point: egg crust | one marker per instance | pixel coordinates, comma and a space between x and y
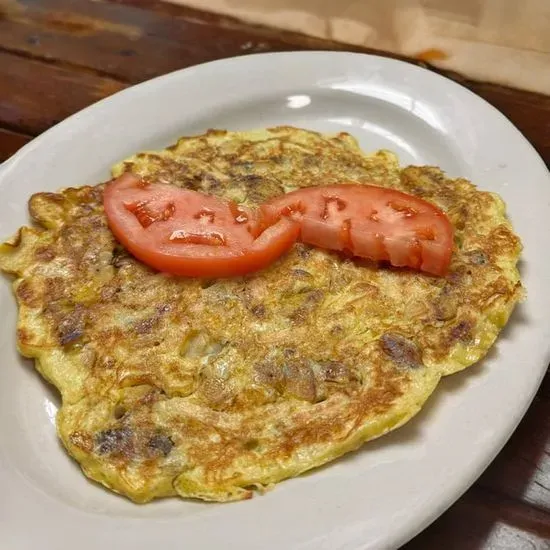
215, 389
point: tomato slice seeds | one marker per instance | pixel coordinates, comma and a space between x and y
189, 233
184, 232
371, 222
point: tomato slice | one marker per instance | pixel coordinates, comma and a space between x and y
189, 233
371, 222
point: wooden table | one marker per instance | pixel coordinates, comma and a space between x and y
58, 56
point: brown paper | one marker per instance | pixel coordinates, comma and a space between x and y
501, 41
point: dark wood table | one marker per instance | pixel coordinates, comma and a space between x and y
58, 56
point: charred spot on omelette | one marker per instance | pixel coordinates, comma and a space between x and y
204, 388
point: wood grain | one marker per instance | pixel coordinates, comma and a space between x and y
483, 520
36, 95
121, 42
10, 142
522, 470
544, 390
58, 56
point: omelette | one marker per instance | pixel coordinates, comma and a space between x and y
217, 389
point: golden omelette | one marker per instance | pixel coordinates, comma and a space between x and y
212, 388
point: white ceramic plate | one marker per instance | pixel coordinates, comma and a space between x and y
378, 497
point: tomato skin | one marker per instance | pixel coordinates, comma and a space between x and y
187, 233
216, 266
371, 222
